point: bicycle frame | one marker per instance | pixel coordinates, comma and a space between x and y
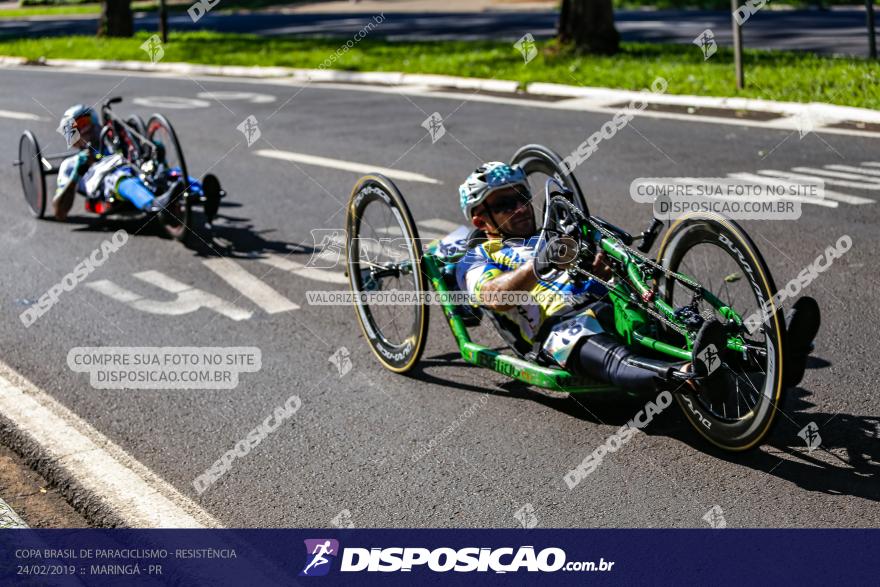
508, 365
632, 323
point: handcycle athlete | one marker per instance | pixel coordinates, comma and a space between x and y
96, 174
567, 321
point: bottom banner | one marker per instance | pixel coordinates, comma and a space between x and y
453, 557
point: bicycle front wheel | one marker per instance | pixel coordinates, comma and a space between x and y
383, 257
738, 405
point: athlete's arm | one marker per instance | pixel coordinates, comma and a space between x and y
69, 174
63, 200
520, 279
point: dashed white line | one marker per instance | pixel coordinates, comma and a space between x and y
345, 165
813, 177
18, 115
250, 286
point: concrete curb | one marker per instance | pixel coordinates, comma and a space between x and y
8, 518
818, 112
100, 480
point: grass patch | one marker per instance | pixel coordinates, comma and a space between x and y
74, 9
772, 75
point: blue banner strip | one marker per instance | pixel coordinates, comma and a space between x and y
443, 557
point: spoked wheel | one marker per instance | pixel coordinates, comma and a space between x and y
383, 256
177, 218
541, 163
138, 124
33, 175
737, 406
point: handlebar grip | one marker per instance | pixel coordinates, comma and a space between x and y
650, 235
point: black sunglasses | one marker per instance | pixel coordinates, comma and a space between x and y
507, 204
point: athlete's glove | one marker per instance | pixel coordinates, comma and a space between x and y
557, 254
83, 161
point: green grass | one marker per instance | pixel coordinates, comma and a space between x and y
90, 7
769, 75
65, 9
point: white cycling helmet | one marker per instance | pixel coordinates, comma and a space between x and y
486, 180
72, 121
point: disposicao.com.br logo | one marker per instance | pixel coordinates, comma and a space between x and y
442, 560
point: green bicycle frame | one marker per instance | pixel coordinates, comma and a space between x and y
508, 365
631, 322
634, 324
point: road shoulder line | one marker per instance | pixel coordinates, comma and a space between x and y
104, 483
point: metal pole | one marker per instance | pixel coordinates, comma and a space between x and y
163, 21
872, 39
737, 44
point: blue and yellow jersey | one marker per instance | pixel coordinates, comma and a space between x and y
556, 296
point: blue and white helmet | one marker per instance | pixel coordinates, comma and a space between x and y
71, 120
486, 180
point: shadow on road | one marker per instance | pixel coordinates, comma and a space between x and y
847, 461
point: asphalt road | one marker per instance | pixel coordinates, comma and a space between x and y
497, 446
827, 32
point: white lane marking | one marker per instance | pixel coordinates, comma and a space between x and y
87, 461
810, 177
250, 286
188, 299
870, 183
345, 165
173, 102
9, 519
285, 264
18, 115
853, 169
251, 97
440, 224
829, 194
871, 163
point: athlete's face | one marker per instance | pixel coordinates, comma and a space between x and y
88, 132
507, 212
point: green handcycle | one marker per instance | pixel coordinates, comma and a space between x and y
706, 268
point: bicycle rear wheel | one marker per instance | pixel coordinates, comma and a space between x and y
738, 405
33, 176
177, 218
383, 258
540, 163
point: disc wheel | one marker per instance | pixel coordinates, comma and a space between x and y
540, 163
33, 176
177, 218
737, 406
383, 257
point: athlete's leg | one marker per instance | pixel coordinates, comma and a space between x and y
133, 190
603, 357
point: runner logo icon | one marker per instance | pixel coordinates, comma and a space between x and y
320, 553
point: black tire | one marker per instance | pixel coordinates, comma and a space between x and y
177, 218
709, 244
138, 124
33, 175
540, 161
376, 195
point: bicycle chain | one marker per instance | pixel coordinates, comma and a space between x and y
656, 266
